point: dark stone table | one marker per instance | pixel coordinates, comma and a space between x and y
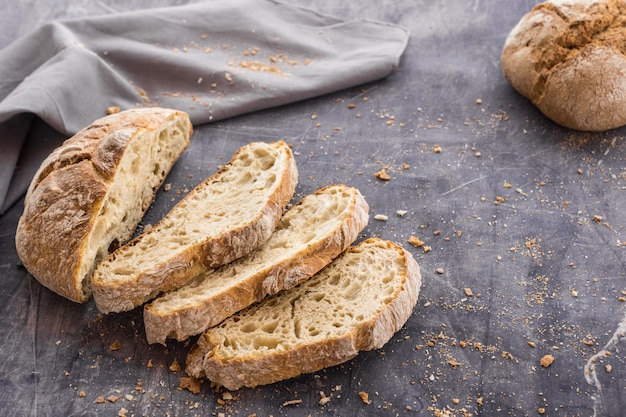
524, 220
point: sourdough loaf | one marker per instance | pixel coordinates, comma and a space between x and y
568, 58
224, 218
356, 303
90, 193
309, 235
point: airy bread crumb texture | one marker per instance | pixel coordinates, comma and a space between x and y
225, 217
356, 303
147, 160
309, 235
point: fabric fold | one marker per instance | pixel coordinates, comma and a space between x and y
211, 59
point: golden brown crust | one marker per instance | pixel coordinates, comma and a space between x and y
67, 193
193, 319
568, 57
177, 270
206, 361
58, 215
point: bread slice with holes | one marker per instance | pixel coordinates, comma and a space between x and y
224, 218
91, 192
356, 303
310, 235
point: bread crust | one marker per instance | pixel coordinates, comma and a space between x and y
569, 58
193, 318
173, 272
205, 359
67, 194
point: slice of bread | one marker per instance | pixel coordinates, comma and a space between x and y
224, 218
355, 303
90, 193
310, 235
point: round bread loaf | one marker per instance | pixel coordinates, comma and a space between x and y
568, 58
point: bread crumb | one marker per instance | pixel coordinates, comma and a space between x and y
415, 241
531, 344
123, 412
468, 292
382, 175
175, 366
191, 384
292, 402
381, 217
401, 213
437, 149
115, 345
546, 360
439, 270
113, 109
365, 397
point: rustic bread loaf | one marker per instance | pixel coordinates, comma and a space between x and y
568, 58
224, 218
308, 236
355, 303
89, 194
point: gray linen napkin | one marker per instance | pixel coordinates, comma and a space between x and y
213, 60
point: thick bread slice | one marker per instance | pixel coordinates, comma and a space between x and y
310, 235
356, 303
224, 218
90, 193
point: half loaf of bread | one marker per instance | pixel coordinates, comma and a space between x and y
224, 218
356, 303
90, 193
310, 235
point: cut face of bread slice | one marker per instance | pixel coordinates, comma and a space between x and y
308, 236
92, 191
355, 303
224, 218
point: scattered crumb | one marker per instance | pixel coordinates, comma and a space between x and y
113, 109
468, 292
175, 366
415, 241
382, 175
365, 397
115, 345
439, 270
381, 217
191, 384
292, 402
546, 360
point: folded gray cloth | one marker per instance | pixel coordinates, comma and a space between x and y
213, 60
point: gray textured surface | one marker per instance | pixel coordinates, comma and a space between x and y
546, 271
